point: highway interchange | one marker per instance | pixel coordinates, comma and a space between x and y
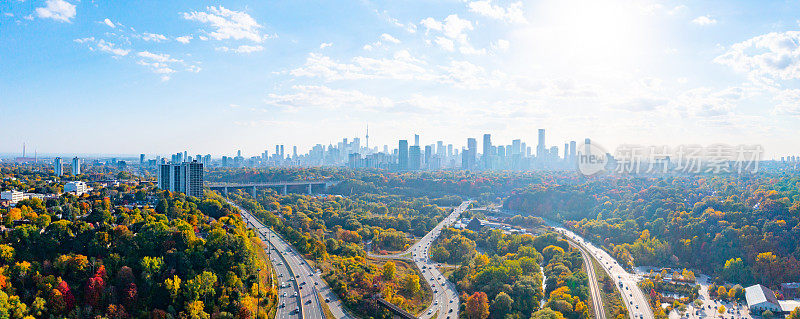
445, 295
299, 282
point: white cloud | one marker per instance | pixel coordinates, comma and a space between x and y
431, 24
465, 75
163, 58
704, 20
58, 10
328, 98
767, 57
164, 64
677, 10
184, 39
8, 14
109, 47
389, 38
325, 45
469, 50
512, 14
154, 37
501, 45
454, 29
108, 22
708, 102
242, 49
84, 40
402, 66
228, 24
788, 102
445, 43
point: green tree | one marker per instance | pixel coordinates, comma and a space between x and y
547, 313
501, 305
389, 270
411, 284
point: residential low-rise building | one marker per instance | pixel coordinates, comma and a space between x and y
12, 196
77, 187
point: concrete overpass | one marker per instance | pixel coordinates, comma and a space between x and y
308, 187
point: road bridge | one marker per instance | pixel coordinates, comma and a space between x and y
283, 187
395, 310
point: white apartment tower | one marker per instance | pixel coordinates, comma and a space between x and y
186, 177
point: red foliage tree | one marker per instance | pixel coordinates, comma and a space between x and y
69, 299
129, 296
93, 291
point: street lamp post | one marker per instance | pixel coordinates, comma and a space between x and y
258, 300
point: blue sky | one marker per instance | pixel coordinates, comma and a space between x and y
213, 77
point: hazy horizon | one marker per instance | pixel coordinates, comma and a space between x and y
157, 78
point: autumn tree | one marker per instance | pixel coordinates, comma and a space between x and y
389, 270
477, 306
411, 284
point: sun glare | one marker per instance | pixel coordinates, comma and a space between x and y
584, 34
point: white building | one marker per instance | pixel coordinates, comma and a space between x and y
12, 196
76, 166
58, 166
77, 187
760, 299
185, 177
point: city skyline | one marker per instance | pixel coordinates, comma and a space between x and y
85, 77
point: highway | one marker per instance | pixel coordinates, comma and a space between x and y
626, 283
306, 282
445, 295
597, 299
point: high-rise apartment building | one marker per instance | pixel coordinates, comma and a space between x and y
572, 150
469, 155
58, 166
402, 155
186, 177
541, 149
414, 158
416, 139
76, 166
487, 144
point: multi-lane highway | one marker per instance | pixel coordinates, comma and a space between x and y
632, 296
299, 299
289, 297
445, 295
597, 301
